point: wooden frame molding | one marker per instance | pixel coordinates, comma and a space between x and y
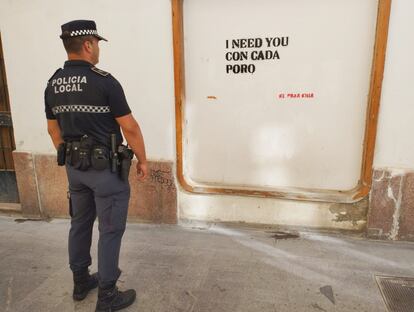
353, 195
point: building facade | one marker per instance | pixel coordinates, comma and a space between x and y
143, 54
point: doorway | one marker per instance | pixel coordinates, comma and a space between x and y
8, 185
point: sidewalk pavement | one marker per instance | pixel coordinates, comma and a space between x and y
204, 268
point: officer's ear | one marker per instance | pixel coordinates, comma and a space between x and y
88, 46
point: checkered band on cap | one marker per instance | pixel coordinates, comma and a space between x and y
83, 32
80, 109
80, 28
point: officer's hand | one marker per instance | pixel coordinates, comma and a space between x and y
142, 171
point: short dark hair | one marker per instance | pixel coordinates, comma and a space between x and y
74, 44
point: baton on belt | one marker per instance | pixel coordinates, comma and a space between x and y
114, 153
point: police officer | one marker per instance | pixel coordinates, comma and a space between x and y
86, 107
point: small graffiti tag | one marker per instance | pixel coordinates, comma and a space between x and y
163, 178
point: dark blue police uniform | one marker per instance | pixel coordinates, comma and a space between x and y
85, 101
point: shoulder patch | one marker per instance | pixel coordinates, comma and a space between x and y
57, 70
99, 71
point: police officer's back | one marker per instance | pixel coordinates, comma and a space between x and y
86, 109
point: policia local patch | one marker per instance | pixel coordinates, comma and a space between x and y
69, 84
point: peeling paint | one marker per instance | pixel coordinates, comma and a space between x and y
397, 214
390, 193
395, 172
354, 213
386, 203
380, 178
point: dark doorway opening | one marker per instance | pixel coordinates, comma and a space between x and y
8, 184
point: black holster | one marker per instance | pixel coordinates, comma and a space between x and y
61, 154
125, 155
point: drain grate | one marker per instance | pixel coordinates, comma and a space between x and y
398, 293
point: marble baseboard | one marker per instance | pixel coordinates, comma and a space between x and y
391, 209
43, 189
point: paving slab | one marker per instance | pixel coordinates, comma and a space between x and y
204, 268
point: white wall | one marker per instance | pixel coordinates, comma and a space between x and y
394, 147
264, 211
248, 135
395, 141
138, 54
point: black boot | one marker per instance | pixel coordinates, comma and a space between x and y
111, 299
83, 283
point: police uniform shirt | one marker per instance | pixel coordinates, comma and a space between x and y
85, 101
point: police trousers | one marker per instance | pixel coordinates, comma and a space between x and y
103, 194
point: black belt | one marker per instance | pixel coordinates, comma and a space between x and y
84, 154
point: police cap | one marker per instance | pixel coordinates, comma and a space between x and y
80, 28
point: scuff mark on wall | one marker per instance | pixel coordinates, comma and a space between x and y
356, 212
